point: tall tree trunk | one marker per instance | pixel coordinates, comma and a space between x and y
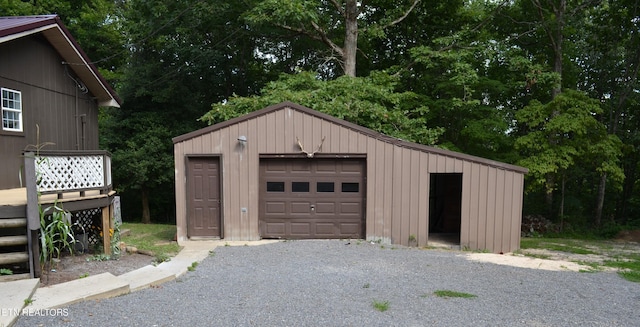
561, 209
548, 198
146, 215
350, 46
555, 33
600, 202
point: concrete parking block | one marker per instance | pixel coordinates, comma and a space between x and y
146, 276
100, 286
14, 294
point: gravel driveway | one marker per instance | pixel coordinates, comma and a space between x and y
332, 283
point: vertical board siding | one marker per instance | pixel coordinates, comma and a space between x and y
253, 175
405, 196
50, 100
180, 185
423, 199
475, 206
500, 214
387, 201
397, 181
491, 209
396, 188
483, 191
465, 223
516, 211
506, 218
414, 203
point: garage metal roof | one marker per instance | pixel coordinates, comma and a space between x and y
358, 128
52, 28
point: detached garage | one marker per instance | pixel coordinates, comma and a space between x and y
291, 172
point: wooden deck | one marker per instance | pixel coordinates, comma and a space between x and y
71, 201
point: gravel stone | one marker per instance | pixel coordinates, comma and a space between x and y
335, 283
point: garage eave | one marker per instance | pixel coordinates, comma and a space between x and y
360, 129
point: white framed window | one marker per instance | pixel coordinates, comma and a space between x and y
11, 110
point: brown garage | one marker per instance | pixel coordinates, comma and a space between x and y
290, 172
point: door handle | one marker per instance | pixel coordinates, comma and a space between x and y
313, 207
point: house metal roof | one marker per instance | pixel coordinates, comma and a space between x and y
52, 28
352, 126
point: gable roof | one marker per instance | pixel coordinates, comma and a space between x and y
52, 28
360, 129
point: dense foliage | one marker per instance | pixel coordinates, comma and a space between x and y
548, 84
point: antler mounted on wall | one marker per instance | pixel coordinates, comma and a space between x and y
309, 154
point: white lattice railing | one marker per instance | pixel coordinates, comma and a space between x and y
61, 172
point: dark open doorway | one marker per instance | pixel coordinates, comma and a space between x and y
445, 206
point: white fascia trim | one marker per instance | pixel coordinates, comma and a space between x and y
25, 33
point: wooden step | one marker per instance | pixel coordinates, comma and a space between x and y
13, 257
13, 240
13, 222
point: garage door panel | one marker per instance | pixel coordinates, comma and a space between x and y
300, 228
353, 208
351, 167
325, 208
300, 166
312, 198
325, 229
328, 166
275, 208
350, 228
275, 228
275, 166
298, 208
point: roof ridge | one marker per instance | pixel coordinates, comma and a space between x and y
29, 16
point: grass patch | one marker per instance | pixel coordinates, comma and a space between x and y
381, 306
629, 267
99, 257
595, 267
627, 262
193, 266
562, 245
532, 255
448, 293
154, 238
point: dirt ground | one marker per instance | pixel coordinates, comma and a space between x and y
625, 242
82, 265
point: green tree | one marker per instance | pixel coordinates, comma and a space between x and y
610, 71
182, 56
564, 133
370, 101
333, 23
95, 24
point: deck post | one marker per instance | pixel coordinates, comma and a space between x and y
106, 226
33, 213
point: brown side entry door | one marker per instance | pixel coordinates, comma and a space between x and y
203, 192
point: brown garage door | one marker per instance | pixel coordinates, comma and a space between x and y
203, 191
312, 198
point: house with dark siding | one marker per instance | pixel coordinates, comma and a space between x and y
50, 95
